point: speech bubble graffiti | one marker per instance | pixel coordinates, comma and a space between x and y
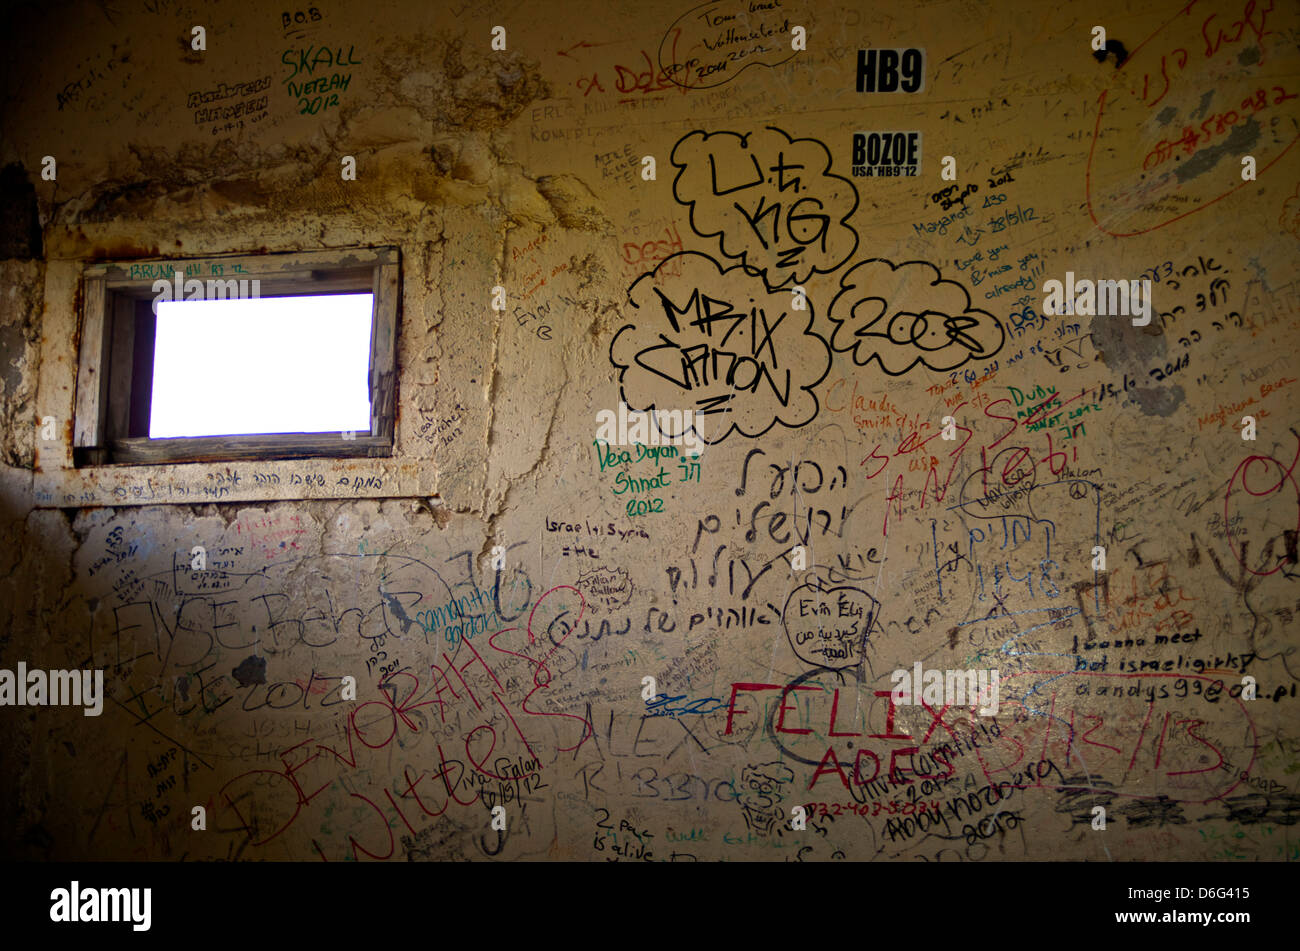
771, 200
905, 314
718, 340
829, 627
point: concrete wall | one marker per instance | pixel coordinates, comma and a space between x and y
821, 427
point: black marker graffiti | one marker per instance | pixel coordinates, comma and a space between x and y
905, 314
770, 198
829, 626
761, 792
718, 339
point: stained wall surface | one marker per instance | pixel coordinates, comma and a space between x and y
670, 198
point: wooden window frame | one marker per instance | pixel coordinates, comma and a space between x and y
115, 358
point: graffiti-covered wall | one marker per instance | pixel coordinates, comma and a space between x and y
823, 431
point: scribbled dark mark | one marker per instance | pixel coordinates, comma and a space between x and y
1165, 115
1291, 536
1249, 56
952, 638
183, 686
1206, 99
251, 671
1189, 506
1241, 141
1112, 46
427, 844
108, 12
1079, 802
1278, 808
1268, 558
188, 53
399, 612
1242, 585
1083, 587
72, 750
1143, 813
1193, 555
1245, 586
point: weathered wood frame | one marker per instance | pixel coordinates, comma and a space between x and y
116, 295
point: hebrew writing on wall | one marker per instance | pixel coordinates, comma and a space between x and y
798, 432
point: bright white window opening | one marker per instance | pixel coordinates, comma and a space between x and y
261, 365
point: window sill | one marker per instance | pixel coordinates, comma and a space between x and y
253, 481
274, 448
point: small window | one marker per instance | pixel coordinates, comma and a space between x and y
211, 359
303, 365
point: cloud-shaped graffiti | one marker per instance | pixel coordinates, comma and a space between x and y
829, 626
905, 314
719, 343
770, 198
